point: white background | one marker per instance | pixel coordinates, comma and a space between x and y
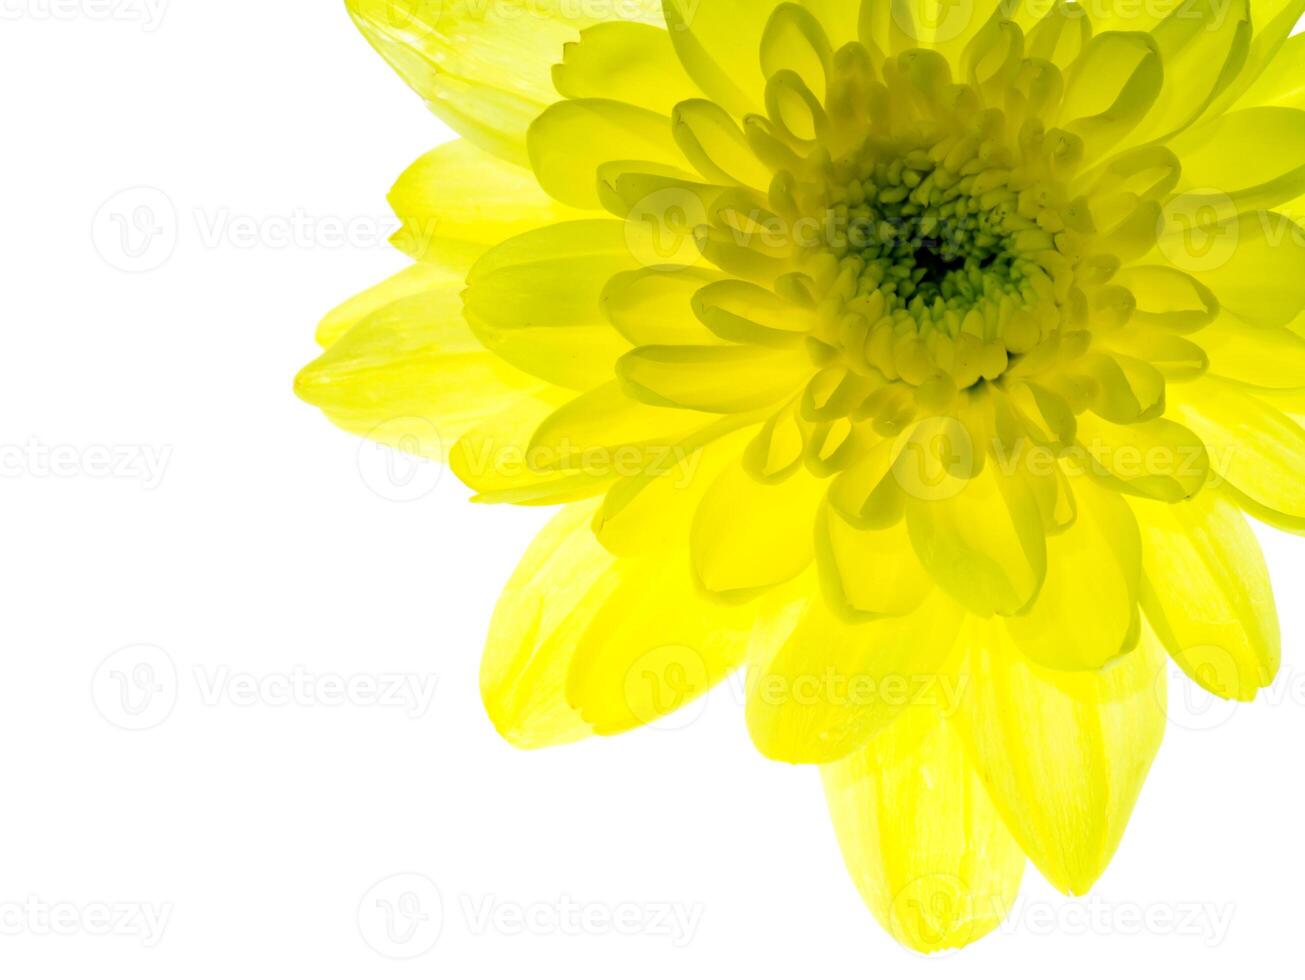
250, 543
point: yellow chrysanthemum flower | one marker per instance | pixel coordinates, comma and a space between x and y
920, 355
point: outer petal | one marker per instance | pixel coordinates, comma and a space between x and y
1086, 614
410, 372
1257, 450
632, 63
457, 200
1273, 21
922, 840
1063, 755
1207, 594
1252, 156
821, 686
582, 641
984, 543
655, 645
1281, 82
536, 301
1253, 262
748, 536
870, 571
571, 140
562, 578
484, 68
718, 42
495, 459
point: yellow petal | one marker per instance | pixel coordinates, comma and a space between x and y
713, 379
871, 571
571, 140
984, 542
1086, 614
536, 301
718, 43
924, 844
1281, 82
412, 281
1207, 594
411, 373
1257, 451
495, 459
653, 511
582, 641
1202, 46
652, 307
627, 62
713, 142
1252, 157
562, 578
1110, 88
458, 200
606, 431
1160, 458
1273, 21
821, 686
1254, 263
1167, 297
485, 69
655, 645
1266, 357
1063, 756
749, 536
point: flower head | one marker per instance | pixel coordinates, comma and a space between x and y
920, 357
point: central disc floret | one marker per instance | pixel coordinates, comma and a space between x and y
947, 222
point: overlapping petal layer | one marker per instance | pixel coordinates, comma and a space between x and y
920, 357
